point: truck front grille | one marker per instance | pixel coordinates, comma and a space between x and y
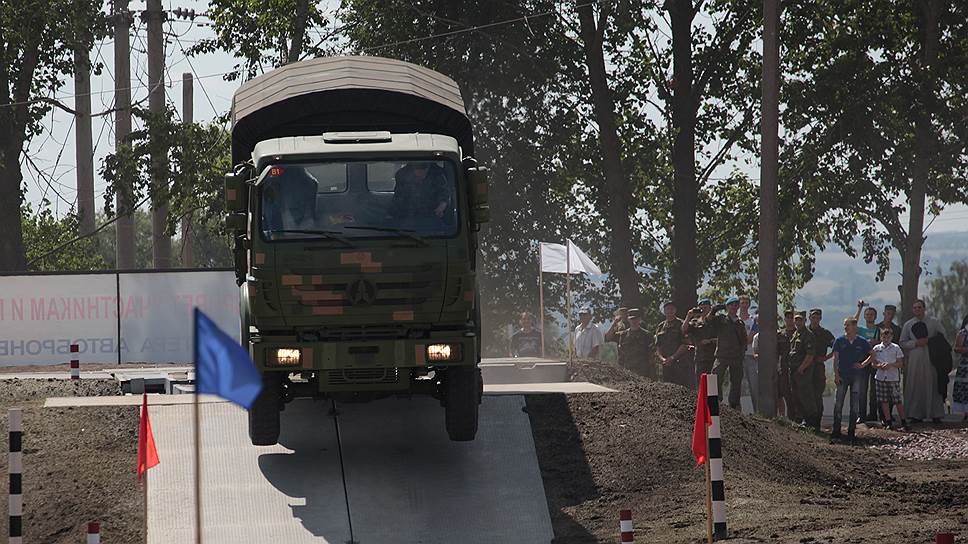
350, 376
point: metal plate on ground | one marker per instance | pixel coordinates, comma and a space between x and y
407, 482
291, 493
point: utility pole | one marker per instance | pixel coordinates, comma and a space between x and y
769, 212
83, 146
124, 226
188, 115
160, 242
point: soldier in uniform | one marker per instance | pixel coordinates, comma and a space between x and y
784, 390
619, 324
801, 372
635, 347
702, 339
730, 346
671, 349
823, 340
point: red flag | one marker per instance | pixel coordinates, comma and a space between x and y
147, 454
703, 420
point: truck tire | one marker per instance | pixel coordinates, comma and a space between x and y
463, 389
264, 414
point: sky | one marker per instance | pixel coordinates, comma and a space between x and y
53, 151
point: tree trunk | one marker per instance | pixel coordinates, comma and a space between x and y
925, 149
685, 193
12, 257
298, 31
617, 187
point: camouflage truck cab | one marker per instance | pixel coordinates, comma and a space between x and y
354, 206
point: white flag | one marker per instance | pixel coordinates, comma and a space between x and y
556, 258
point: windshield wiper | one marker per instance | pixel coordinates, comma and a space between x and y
402, 232
328, 234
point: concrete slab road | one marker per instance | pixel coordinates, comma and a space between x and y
405, 481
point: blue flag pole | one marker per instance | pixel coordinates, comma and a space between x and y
197, 433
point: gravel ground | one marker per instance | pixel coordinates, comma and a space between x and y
79, 463
600, 453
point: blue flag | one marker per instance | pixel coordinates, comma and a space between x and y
222, 366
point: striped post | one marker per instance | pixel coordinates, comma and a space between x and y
94, 532
716, 459
15, 464
625, 525
75, 363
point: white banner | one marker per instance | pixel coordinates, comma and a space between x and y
42, 315
156, 324
555, 258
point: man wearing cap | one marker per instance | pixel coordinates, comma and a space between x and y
635, 347
588, 339
822, 341
801, 373
670, 348
730, 346
701, 338
619, 324
784, 391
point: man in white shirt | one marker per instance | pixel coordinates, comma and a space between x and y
588, 339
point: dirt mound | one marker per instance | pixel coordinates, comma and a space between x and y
16, 390
79, 463
600, 453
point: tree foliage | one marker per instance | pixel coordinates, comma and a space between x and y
265, 34
856, 88
37, 41
44, 233
948, 296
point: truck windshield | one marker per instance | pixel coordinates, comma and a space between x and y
412, 199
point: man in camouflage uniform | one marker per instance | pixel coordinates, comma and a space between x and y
730, 346
635, 347
801, 371
671, 349
701, 338
784, 390
823, 340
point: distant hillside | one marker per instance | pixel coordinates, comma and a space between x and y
840, 280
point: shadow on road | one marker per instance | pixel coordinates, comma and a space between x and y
568, 480
310, 474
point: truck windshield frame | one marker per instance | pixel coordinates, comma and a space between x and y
397, 198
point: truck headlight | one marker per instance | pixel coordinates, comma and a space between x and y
443, 352
288, 357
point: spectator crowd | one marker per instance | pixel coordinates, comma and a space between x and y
880, 368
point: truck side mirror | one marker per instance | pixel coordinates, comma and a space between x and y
477, 180
236, 192
236, 222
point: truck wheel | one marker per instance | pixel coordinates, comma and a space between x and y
463, 391
264, 414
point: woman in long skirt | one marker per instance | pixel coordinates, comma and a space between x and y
959, 397
922, 400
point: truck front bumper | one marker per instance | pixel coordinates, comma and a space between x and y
375, 365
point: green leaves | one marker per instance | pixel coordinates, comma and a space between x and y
44, 233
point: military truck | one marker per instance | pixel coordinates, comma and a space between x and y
354, 205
